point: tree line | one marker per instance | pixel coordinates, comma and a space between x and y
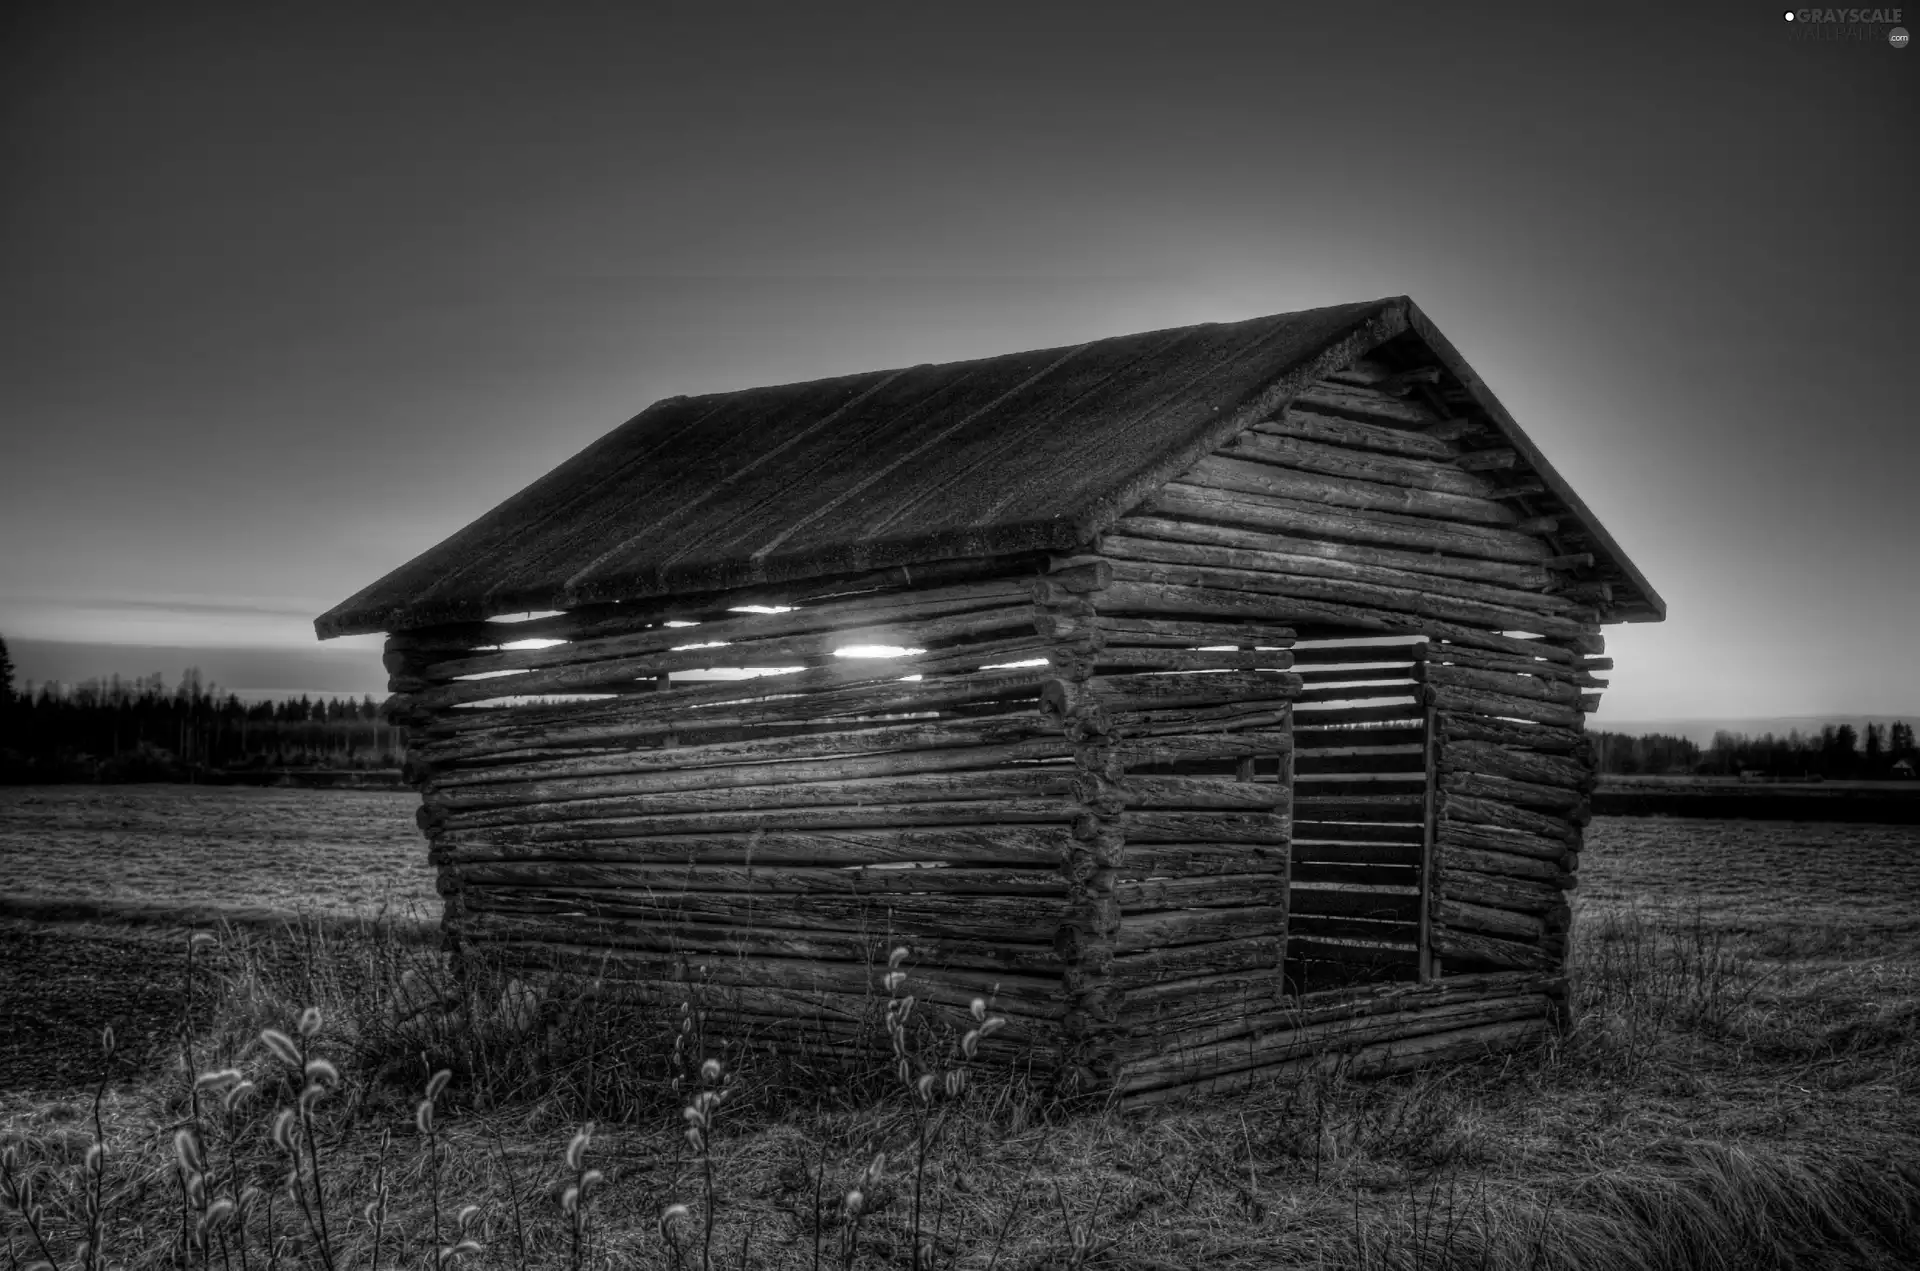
140, 729
116, 729
1838, 752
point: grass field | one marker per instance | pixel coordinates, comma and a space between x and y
1742, 1088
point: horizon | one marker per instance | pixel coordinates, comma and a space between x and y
1697, 729
261, 356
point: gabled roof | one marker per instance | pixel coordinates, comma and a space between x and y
1023, 452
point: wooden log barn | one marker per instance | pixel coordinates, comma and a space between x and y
1211, 699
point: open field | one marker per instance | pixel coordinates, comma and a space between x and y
214, 849
1742, 1088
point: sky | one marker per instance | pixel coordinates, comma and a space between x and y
292, 293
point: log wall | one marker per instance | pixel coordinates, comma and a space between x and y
1438, 764
1049, 800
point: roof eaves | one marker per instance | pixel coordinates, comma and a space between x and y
1651, 607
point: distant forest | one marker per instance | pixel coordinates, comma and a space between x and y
140, 730
1838, 752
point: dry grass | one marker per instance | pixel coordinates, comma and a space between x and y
1739, 1092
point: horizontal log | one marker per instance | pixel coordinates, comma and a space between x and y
739, 755
1028, 918
757, 879
1184, 962
1454, 428
1490, 459
1355, 434
1202, 891
1119, 630
1246, 477
1455, 726
1482, 811
1163, 929
1368, 373
1524, 794
1393, 591
1264, 828
1309, 517
1341, 461
1236, 601
1487, 759
1120, 693
1268, 720
1030, 845
1495, 838
1046, 811
1399, 651
1352, 1003
1178, 860
1322, 1040
1482, 660
856, 985
1503, 683
1326, 717
1379, 1060
1162, 659
1203, 1001
1451, 942
986, 784
697, 940
1408, 692
1478, 702
1203, 793
1364, 403
1486, 920
1449, 856
823, 773
1499, 891
1339, 559
1134, 752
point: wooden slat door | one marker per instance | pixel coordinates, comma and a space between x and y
1356, 902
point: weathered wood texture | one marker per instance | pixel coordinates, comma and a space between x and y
1453, 771
1289, 763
